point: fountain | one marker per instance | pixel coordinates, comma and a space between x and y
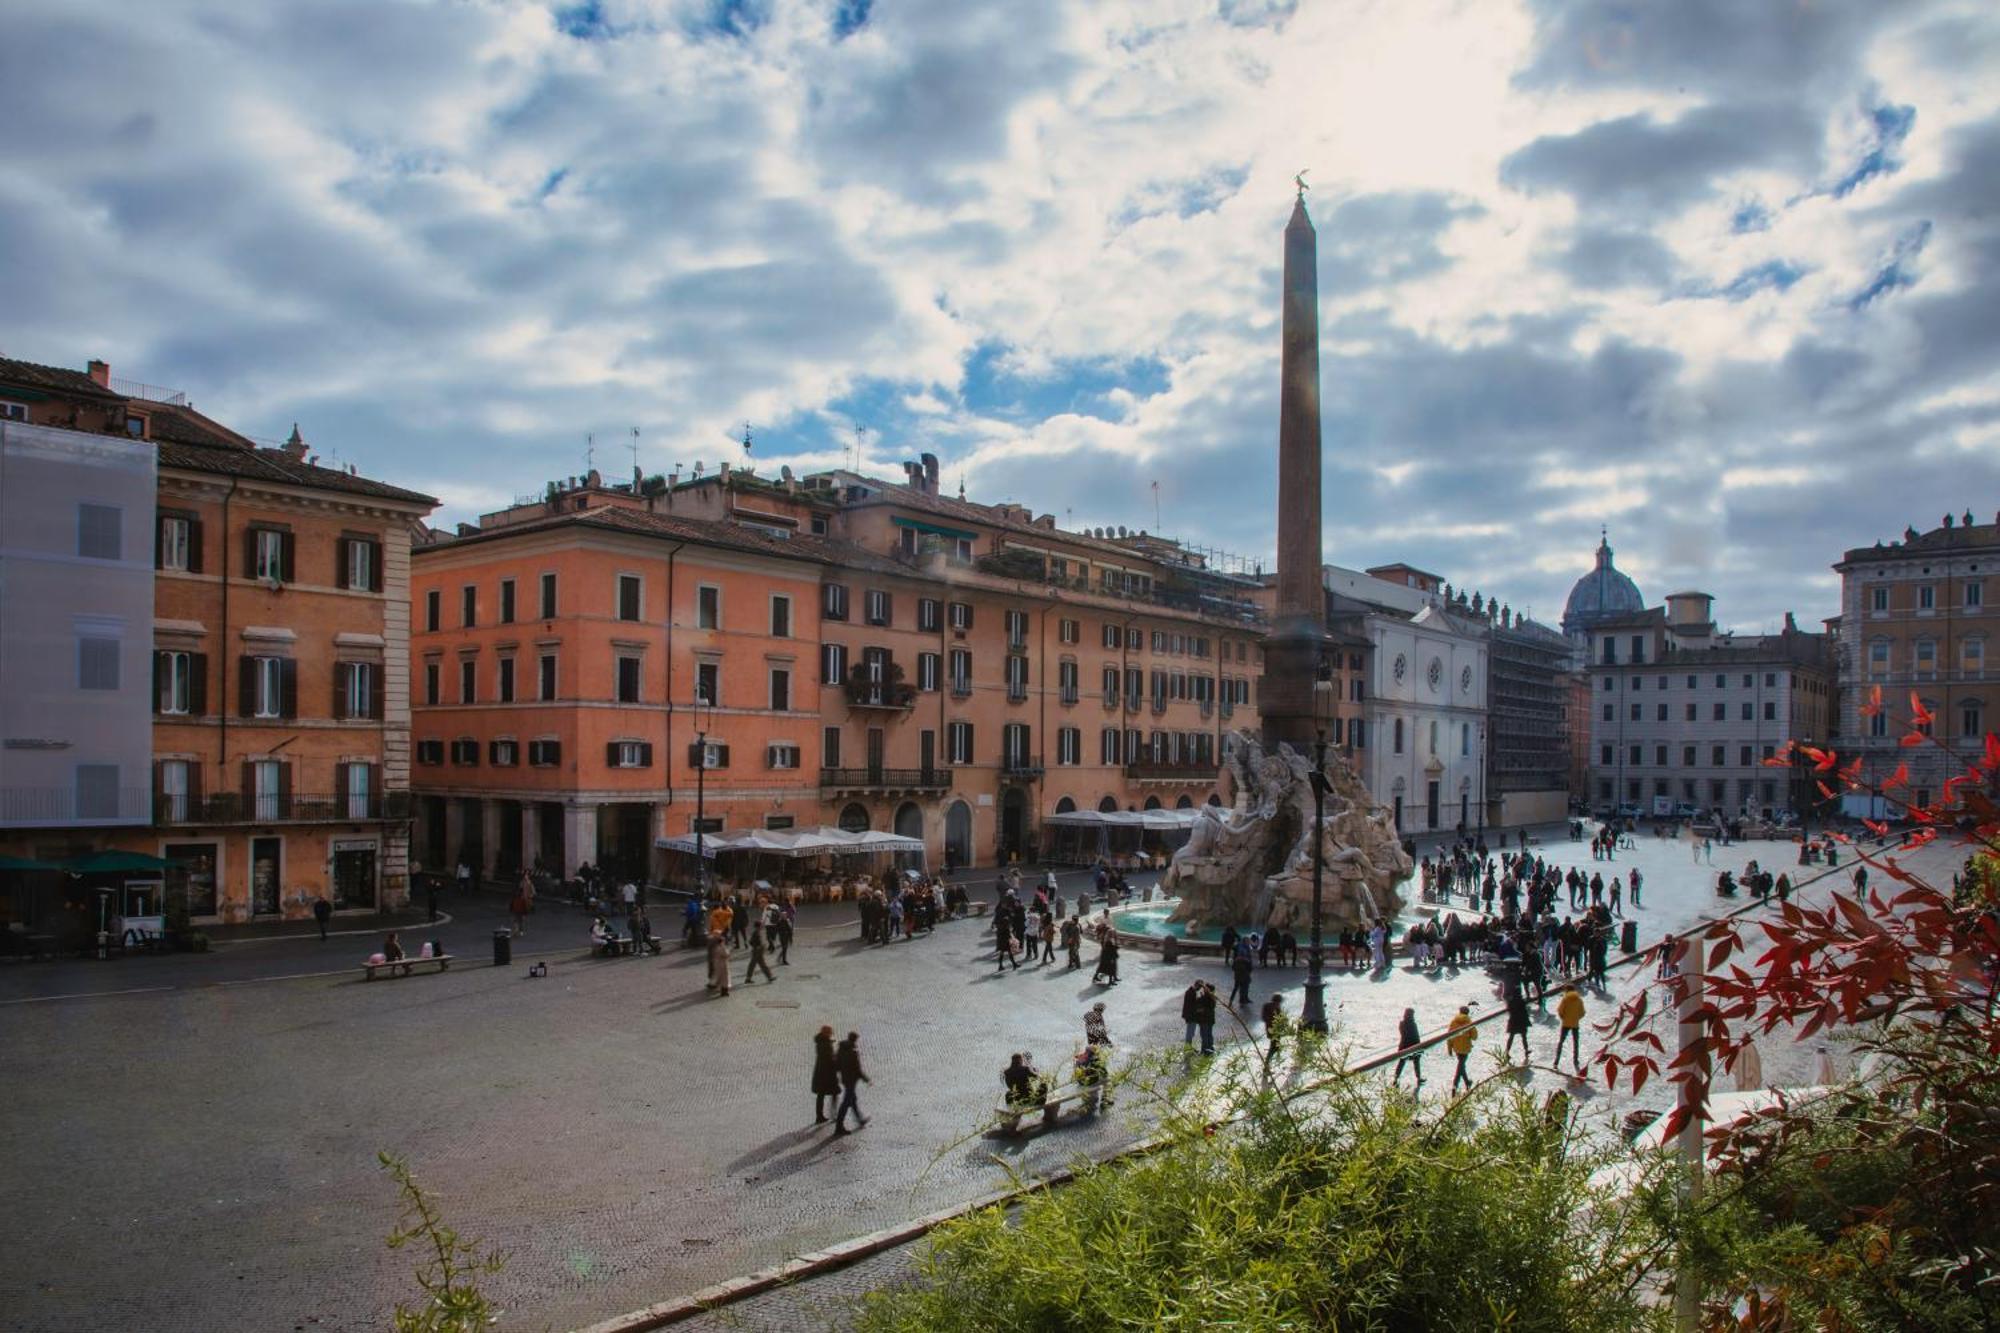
1251, 866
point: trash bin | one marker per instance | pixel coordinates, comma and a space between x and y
503, 947
1170, 950
1628, 938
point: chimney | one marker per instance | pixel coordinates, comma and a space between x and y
100, 374
930, 463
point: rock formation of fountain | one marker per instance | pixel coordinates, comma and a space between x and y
1252, 864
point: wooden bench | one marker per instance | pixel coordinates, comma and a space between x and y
438, 961
1009, 1116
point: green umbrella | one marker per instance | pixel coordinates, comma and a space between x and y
113, 863
22, 863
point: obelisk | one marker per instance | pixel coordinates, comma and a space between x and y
1298, 628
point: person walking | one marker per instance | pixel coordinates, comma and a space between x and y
1637, 881
630, 894
1517, 1025
431, 896
1204, 1016
1003, 939
1191, 1010
1072, 938
1094, 1030
1239, 970
825, 1080
1048, 933
758, 947
1569, 1010
524, 903
847, 1063
323, 912
1378, 945
1407, 1038
1617, 897
464, 877
1107, 960
1276, 1024
782, 931
1463, 1033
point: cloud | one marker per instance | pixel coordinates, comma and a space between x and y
1696, 269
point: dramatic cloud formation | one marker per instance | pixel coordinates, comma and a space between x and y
1719, 275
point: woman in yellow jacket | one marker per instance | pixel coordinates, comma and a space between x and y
1570, 1010
1463, 1032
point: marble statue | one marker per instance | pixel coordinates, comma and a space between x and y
1251, 865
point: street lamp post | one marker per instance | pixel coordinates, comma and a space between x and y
1314, 1018
700, 791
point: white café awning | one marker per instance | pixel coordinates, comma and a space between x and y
794, 842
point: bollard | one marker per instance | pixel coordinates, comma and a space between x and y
503, 948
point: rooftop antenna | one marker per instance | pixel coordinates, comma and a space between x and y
746, 437
635, 451
1156, 507
859, 431
589, 452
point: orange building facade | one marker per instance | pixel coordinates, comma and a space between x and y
279, 682
842, 650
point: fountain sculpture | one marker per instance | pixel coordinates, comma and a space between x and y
1252, 865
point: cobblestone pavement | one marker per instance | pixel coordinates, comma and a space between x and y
202, 1157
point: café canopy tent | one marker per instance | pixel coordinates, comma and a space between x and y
1157, 820
795, 843
1077, 837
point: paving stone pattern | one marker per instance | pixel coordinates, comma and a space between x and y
202, 1157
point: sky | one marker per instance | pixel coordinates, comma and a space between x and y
1716, 275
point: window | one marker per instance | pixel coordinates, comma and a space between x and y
176, 545
1660, 713
708, 683
1396, 743
96, 662
927, 672
1972, 656
958, 742
961, 672
1017, 629
268, 687
1749, 680
1718, 756
629, 590
781, 755
960, 615
1135, 639
465, 752
1660, 756
708, 607
178, 681
1357, 733
1107, 745
1969, 721
1110, 687
878, 606
544, 754
1721, 712
1638, 682
927, 614
270, 555
1926, 597
781, 617
1748, 712
468, 606
1878, 656
267, 788
1770, 711
1067, 630
1744, 756
1066, 680
100, 532
549, 601
1112, 638
1687, 756
1721, 681
506, 681
1975, 595
1926, 655
832, 663
1014, 746
468, 680
545, 671
1638, 712
1605, 756
1069, 746
1465, 738
1017, 678
629, 754
359, 690
1638, 755
1925, 728
506, 601
833, 601
504, 754
13, 411
781, 690
829, 747
1878, 725
1878, 598
1770, 680
358, 564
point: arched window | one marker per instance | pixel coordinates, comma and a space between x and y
1152, 802
1186, 802
1108, 806
854, 818
1215, 798
1065, 806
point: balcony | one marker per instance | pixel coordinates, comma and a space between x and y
1016, 692
1069, 697
896, 698
1020, 767
884, 781
961, 687
230, 807
1185, 772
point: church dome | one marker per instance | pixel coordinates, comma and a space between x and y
1602, 594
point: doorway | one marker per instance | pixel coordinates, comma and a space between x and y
267, 860
1431, 802
958, 835
1013, 818
353, 876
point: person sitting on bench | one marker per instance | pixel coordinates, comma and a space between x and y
1024, 1086
603, 938
392, 949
